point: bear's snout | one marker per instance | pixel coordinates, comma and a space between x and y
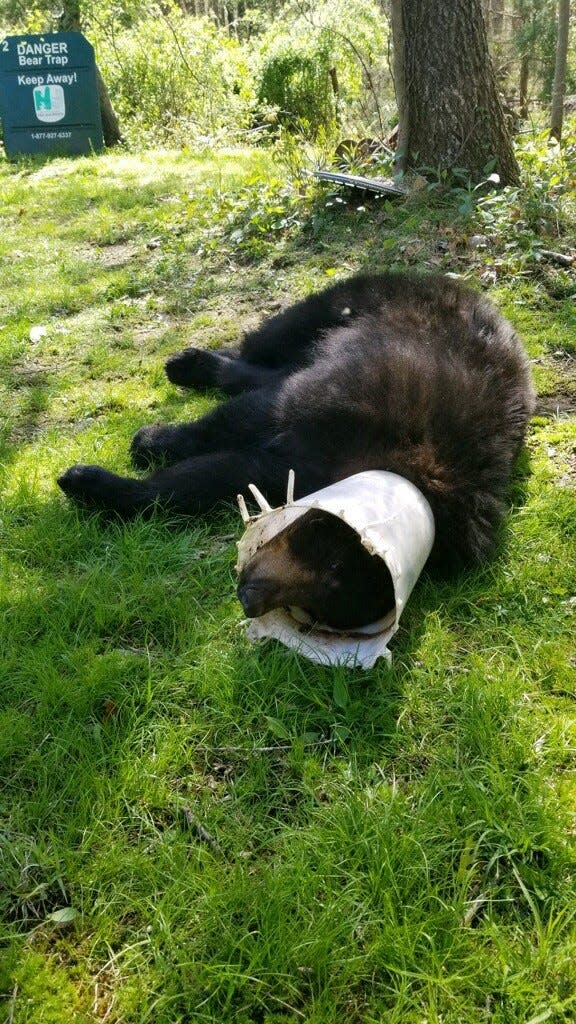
257, 595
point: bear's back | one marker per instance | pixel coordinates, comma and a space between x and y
430, 382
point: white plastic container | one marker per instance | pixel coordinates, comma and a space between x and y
393, 520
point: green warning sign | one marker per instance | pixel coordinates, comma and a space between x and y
48, 95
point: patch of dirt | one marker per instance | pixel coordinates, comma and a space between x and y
563, 457
569, 477
559, 404
117, 255
151, 331
30, 374
55, 169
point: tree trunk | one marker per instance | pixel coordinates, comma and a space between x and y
453, 113
69, 17
523, 85
69, 21
399, 43
110, 124
559, 86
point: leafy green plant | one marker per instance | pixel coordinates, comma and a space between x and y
255, 218
321, 66
175, 78
299, 87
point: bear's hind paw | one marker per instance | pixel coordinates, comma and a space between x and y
194, 368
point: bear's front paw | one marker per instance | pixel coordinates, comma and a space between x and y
84, 484
194, 368
147, 448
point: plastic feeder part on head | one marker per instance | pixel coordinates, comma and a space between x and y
393, 521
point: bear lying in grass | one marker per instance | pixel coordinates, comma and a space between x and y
410, 373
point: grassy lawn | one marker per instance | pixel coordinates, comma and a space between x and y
196, 829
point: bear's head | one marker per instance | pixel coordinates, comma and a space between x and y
319, 565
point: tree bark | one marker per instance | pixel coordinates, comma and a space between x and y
70, 21
453, 113
523, 85
559, 86
110, 124
399, 44
69, 18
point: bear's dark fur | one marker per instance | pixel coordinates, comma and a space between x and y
318, 564
410, 373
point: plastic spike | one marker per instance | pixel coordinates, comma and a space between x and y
290, 487
260, 499
243, 509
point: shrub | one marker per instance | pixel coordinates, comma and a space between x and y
326, 66
175, 78
299, 86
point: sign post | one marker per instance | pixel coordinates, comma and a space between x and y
48, 95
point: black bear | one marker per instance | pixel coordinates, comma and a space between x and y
416, 374
319, 565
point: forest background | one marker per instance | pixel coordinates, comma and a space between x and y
205, 70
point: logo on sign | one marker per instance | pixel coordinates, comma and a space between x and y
49, 103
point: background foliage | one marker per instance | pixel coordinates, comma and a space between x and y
178, 73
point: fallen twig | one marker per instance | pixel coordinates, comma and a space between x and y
561, 258
200, 832
473, 910
12, 1006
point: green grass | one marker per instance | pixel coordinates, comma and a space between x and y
194, 828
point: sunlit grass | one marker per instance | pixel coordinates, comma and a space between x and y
194, 828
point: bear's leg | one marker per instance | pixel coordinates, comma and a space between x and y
287, 340
203, 369
283, 343
243, 421
189, 488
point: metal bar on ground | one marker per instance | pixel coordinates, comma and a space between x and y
386, 185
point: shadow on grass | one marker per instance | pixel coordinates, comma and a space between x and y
125, 672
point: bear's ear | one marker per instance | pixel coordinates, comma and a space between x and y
311, 521
316, 518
